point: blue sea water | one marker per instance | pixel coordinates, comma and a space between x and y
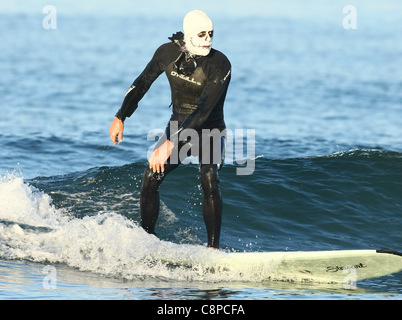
326, 106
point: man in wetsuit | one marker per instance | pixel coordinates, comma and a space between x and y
199, 77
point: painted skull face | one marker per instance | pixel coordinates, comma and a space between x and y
198, 32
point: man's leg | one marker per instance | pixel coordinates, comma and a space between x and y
212, 206
149, 202
210, 163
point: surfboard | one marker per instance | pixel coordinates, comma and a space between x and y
337, 266
341, 266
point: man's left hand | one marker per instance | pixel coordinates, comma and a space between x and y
159, 156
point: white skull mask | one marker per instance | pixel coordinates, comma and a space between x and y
198, 32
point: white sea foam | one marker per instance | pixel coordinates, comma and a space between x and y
33, 229
22, 203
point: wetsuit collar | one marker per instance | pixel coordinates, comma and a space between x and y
186, 63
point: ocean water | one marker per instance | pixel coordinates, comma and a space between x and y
324, 103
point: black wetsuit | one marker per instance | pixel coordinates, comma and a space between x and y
198, 86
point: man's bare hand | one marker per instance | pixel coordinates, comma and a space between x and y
116, 130
159, 156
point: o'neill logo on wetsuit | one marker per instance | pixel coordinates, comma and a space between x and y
186, 78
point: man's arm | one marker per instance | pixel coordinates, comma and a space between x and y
135, 93
138, 89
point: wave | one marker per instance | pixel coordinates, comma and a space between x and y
89, 219
32, 229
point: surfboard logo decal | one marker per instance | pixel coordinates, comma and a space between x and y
341, 268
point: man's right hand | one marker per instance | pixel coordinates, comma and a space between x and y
116, 130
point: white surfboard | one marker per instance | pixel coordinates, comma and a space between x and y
338, 266
320, 266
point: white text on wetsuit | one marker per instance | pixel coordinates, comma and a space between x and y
186, 78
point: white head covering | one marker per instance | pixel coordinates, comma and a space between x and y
194, 22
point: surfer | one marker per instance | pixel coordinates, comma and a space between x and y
199, 77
